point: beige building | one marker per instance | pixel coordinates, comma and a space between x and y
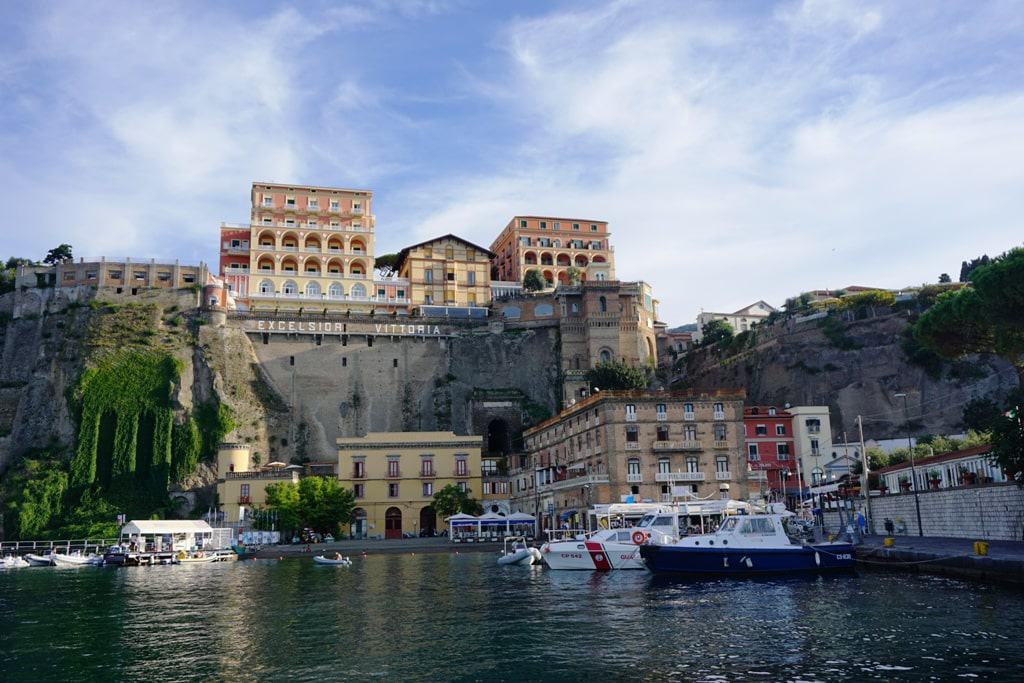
552, 246
650, 446
447, 271
395, 475
812, 441
740, 321
122, 276
241, 487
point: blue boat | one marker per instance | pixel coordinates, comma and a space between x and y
746, 545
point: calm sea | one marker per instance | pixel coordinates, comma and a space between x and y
461, 617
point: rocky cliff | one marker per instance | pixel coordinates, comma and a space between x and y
855, 367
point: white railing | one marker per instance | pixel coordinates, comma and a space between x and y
665, 445
669, 477
691, 445
632, 445
662, 417
723, 476
719, 416
630, 417
634, 478
328, 297
689, 417
721, 444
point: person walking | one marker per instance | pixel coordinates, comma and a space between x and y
862, 522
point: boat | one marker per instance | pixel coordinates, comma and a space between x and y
206, 556
39, 560
519, 553
601, 550
76, 559
13, 562
747, 545
338, 560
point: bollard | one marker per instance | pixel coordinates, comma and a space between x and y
981, 548
889, 541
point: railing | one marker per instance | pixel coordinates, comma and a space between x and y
665, 446
243, 500
719, 416
689, 417
68, 545
669, 477
632, 478
393, 474
723, 476
630, 417
632, 445
662, 417
271, 474
572, 482
721, 444
692, 446
359, 475
460, 473
427, 474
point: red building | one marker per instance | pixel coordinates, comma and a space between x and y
770, 448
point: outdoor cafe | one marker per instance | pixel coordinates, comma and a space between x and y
491, 527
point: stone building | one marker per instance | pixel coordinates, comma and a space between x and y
642, 446
552, 246
740, 321
115, 275
395, 475
446, 271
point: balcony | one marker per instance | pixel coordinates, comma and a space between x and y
427, 474
356, 211
267, 474
591, 479
634, 478
243, 500
632, 445
462, 474
662, 417
723, 476
672, 477
689, 417
359, 474
720, 444
630, 417
295, 249
393, 474
666, 446
719, 416
692, 446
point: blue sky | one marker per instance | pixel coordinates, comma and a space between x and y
740, 150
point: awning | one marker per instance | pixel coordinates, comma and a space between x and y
165, 526
566, 515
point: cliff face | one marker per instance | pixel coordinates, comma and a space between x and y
855, 368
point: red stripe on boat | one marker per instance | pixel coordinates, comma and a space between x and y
598, 556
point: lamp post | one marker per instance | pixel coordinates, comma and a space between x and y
913, 471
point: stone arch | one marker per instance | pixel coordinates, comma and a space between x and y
313, 288
599, 259
290, 240
358, 290
312, 242
530, 258
602, 304
564, 260
581, 261
289, 264
549, 277
543, 311
546, 259
311, 265
265, 262
289, 287
336, 266
605, 356
563, 277
357, 268
357, 245
335, 291
265, 238
335, 245
650, 348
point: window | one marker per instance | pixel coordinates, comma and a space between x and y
692, 464
359, 490
461, 467
543, 225
761, 430
428, 276
428, 489
381, 293
522, 223
70, 275
720, 433
664, 466
688, 411
662, 411
244, 492
393, 490
358, 469
813, 426
575, 226
393, 467
631, 434
268, 201
289, 201
752, 451
633, 466
814, 447
722, 464
690, 432
313, 289
450, 276
471, 278
334, 205
719, 411
662, 433
140, 275
782, 450
115, 274
758, 526
603, 304
313, 203
163, 276
630, 412
780, 430
427, 467
771, 411
463, 486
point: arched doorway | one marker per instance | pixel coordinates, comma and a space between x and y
428, 521
359, 523
498, 442
393, 523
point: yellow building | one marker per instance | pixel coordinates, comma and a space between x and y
447, 271
242, 488
395, 475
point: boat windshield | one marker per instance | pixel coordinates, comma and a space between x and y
646, 521
728, 525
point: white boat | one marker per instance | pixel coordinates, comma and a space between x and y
76, 559
519, 553
39, 560
13, 562
598, 550
206, 556
339, 560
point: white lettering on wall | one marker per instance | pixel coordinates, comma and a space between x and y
398, 329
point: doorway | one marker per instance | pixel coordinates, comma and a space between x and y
393, 523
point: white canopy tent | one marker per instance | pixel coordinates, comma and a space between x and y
167, 534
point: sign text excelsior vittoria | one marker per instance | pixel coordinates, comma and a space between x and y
337, 327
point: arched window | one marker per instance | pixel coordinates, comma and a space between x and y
312, 289
358, 290
603, 302
289, 287
605, 356
335, 291
266, 287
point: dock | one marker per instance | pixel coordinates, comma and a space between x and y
955, 557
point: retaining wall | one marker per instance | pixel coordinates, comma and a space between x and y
987, 512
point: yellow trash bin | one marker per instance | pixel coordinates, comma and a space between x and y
889, 541
981, 548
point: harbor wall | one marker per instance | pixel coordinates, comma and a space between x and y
988, 512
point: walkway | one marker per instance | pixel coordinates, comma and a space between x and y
1004, 562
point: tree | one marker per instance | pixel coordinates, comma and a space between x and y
981, 414
968, 267
533, 281
877, 458
387, 264
283, 498
573, 274
619, 375
1008, 437
715, 331
324, 504
59, 254
985, 317
944, 278
452, 500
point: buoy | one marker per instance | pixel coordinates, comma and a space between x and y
279, 557
817, 559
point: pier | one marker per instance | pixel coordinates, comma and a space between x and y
955, 557
86, 546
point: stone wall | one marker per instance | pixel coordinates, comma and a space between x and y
992, 512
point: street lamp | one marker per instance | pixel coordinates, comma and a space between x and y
913, 471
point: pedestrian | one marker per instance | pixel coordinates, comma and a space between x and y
862, 522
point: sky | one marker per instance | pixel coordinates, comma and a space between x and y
739, 150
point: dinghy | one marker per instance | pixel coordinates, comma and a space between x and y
39, 560
76, 560
338, 560
519, 553
13, 562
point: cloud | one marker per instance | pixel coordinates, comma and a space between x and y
741, 158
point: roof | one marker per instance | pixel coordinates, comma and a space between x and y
936, 459
405, 252
166, 526
294, 186
561, 218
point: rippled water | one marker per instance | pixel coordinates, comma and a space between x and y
461, 617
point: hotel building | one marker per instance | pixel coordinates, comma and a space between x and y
641, 446
119, 276
307, 247
771, 453
242, 487
395, 475
446, 271
553, 246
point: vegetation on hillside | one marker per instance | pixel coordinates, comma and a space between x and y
619, 376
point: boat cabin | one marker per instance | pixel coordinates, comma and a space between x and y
745, 531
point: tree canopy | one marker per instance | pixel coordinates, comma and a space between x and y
533, 281
715, 331
944, 278
59, 254
452, 500
387, 264
573, 274
618, 375
317, 502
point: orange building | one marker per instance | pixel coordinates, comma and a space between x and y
553, 246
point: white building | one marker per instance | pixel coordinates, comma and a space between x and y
739, 321
812, 441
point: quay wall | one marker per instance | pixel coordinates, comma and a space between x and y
993, 512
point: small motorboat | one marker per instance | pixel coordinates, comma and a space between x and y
76, 559
747, 545
336, 560
206, 556
13, 562
39, 560
516, 552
